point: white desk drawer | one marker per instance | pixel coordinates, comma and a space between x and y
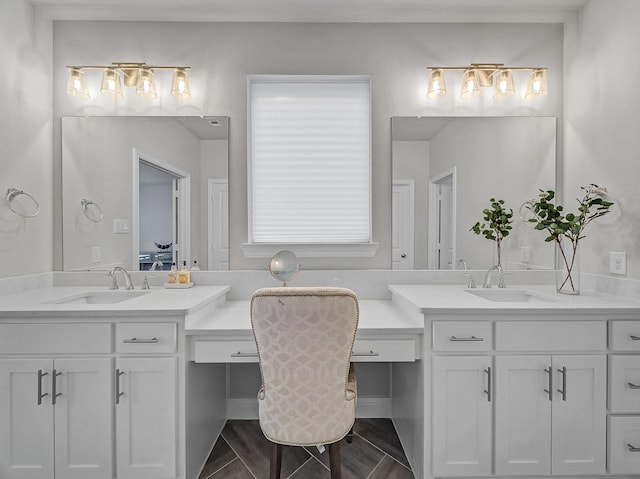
55, 338
145, 338
462, 336
383, 350
521, 336
624, 383
212, 351
625, 335
375, 350
624, 445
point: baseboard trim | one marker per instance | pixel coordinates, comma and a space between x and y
247, 408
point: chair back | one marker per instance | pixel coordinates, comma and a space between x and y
305, 338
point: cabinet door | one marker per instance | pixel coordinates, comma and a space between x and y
83, 419
523, 415
146, 418
579, 415
26, 419
462, 416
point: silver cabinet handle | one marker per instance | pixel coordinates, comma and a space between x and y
54, 393
488, 390
40, 394
633, 386
140, 340
240, 354
371, 353
634, 337
550, 390
632, 448
118, 393
470, 338
563, 391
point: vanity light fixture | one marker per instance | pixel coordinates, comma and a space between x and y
483, 75
138, 75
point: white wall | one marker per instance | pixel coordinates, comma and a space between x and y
222, 55
25, 137
602, 143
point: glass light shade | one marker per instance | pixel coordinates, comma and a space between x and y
180, 84
537, 85
503, 84
111, 85
77, 83
437, 87
146, 86
470, 84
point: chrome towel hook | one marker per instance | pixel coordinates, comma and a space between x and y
12, 193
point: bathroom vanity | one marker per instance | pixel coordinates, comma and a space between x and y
133, 384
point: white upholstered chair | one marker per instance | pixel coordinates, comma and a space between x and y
305, 337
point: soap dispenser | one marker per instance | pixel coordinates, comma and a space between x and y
184, 276
173, 275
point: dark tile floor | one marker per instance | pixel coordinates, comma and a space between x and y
242, 452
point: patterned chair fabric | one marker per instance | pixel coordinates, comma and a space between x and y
305, 338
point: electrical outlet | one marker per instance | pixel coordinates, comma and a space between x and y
617, 262
96, 254
525, 257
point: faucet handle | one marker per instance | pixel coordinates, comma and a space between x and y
145, 283
114, 280
470, 282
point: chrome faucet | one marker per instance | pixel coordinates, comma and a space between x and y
487, 277
127, 278
156, 263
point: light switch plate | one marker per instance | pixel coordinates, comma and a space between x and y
617, 262
121, 226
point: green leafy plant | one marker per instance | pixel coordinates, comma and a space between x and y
497, 224
552, 219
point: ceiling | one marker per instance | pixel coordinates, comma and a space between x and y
491, 11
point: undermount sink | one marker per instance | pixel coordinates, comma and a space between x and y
100, 297
504, 295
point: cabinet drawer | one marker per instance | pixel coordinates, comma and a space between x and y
551, 336
211, 351
462, 336
624, 383
625, 335
383, 350
624, 444
145, 337
55, 338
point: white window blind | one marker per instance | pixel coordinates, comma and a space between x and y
310, 160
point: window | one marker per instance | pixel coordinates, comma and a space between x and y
309, 147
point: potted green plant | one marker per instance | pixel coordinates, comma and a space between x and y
497, 224
566, 230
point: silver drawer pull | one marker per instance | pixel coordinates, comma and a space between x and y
470, 338
633, 449
370, 353
40, 393
240, 354
634, 337
141, 340
633, 386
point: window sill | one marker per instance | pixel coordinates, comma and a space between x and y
305, 250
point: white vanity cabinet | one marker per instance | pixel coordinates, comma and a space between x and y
74, 405
55, 410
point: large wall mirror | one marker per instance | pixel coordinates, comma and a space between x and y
143, 190
445, 170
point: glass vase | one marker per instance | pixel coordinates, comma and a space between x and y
568, 267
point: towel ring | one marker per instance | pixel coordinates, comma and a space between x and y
523, 211
97, 217
12, 193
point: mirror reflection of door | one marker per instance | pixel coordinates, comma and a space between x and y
158, 217
402, 224
442, 214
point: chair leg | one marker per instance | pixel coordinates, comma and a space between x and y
334, 460
275, 462
350, 435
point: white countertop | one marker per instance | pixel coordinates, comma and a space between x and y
155, 301
458, 299
233, 318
